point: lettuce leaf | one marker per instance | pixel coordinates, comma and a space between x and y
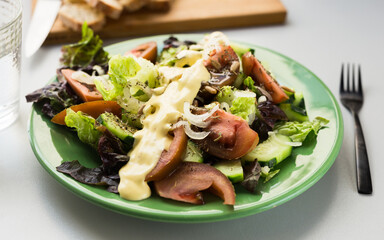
270, 113
267, 174
252, 172
226, 94
128, 72
85, 126
54, 98
250, 84
113, 157
89, 50
168, 56
243, 107
172, 46
241, 103
298, 131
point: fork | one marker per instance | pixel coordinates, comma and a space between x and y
352, 98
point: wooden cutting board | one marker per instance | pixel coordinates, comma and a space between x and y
184, 16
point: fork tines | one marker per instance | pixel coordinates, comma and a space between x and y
350, 81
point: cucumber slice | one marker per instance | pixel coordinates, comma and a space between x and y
272, 151
293, 112
294, 108
298, 100
193, 153
117, 127
232, 169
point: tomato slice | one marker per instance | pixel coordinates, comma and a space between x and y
170, 159
190, 178
223, 65
252, 67
86, 92
230, 136
94, 109
146, 50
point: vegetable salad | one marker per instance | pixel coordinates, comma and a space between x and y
176, 121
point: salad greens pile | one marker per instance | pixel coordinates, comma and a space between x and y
236, 89
88, 51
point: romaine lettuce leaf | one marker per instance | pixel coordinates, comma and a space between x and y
89, 50
226, 94
243, 107
298, 131
128, 72
148, 73
85, 126
241, 103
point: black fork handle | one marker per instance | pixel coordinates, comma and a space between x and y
363, 173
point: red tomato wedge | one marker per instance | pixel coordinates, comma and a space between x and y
94, 109
252, 67
190, 178
146, 50
170, 159
86, 92
223, 65
230, 136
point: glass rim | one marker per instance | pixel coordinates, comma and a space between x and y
17, 15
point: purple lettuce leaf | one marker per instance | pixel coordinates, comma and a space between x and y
252, 172
54, 98
113, 157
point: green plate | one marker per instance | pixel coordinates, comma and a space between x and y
53, 144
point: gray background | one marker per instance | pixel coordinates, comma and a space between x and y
320, 35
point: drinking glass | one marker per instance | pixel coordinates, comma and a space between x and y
10, 54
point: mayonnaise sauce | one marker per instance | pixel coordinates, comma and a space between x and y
161, 112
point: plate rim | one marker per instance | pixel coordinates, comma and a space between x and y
239, 213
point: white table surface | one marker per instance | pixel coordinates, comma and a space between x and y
320, 35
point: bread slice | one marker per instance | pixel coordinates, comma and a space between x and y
133, 5
111, 8
73, 15
159, 5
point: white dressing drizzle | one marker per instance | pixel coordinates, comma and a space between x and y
161, 111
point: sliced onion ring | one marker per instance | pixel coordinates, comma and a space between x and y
265, 93
190, 133
224, 106
198, 120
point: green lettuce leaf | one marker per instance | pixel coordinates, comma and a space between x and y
241, 103
129, 73
168, 56
298, 131
89, 50
148, 73
267, 174
84, 125
226, 94
243, 107
249, 83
